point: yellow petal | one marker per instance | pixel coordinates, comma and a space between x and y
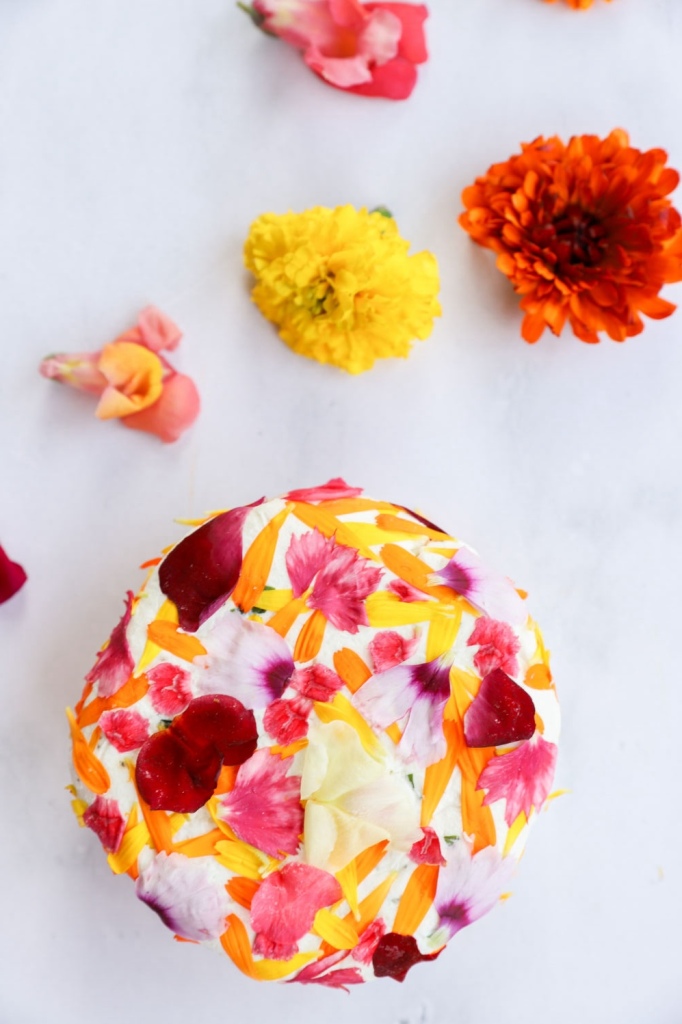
339, 934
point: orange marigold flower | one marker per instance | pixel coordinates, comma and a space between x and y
583, 231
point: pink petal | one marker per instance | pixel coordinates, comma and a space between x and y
331, 491
302, 23
342, 72
319, 973
201, 572
305, 557
523, 777
412, 17
389, 649
12, 577
486, 590
77, 369
470, 886
114, 664
184, 893
380, 37
246, 659
286, 720
386, 697
369, 940
125, 730
392, 81
264, 807
317, 682
497, 644
106, 821
284, 907
501, 712
170, 689
427, 850
170, 416
157, 331
341, 587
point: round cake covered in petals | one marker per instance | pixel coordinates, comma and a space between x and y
317, 737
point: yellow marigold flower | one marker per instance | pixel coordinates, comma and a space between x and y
340, 286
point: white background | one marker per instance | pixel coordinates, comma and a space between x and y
138, 140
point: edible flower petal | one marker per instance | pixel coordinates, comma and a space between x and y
501, 712
284, 907
125, 730
286, 720
170, 689
177, 769
333, 490
114, 664
396, 954
352, 799
389, 649
201, 572
485, 589
523, 777
264, 806
246, 659
12, 577
427, 850
497, 645
105, 819
367, 48
470, 885
183, 893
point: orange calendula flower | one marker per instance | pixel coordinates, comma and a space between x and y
133, 381
584, 231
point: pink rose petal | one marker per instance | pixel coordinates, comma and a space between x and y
170, 689
125, 730
497, 645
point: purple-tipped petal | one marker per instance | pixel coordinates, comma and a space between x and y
486, 590
183, 893
246, 659
470, 885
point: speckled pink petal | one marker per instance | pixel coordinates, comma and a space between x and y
106, 821
389, 649
317, 682
369, 940
125, 730
497, 645
264, 806
169, 689
341, 586
284, 907
286, 720
523, 777
114, 664
427, 850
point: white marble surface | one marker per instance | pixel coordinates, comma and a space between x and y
138, 141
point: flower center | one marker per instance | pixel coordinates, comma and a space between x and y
579, 237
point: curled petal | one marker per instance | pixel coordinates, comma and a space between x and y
134, 376
12, 577
154, 330
184, 894
172, 413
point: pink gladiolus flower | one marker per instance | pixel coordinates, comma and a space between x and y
125, 730
284, 907
523, 777
469, 886
133, 381
114, 664
491, 593
169, 689
264, 807
12, 577
367, 48
497, 644
182, 892
341, 579
106, 821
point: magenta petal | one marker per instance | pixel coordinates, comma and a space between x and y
389, 649
201, 572
341, 586
316, 682
427, 850
523, 777
264, 806
331, 491
106, 821
12, 577
305, 557
284, 907
497, 645
502, 712
114, 664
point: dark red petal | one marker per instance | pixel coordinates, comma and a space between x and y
201, 572
396, 954
502, 712
106, 821
12, 577
220, 722
172, 778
